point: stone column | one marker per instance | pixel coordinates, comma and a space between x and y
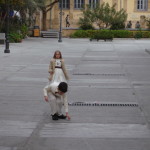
71, 9
148, 5
125, 5
55, 21
86, 2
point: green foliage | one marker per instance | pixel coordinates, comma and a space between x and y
24, 30
113, 33
86, 27
104, 16
117, 26
15, 37
13, 2
102, 34
118, 19
145, 34
86, 22
138, 34
80, 34
24, 7
122, 33
27, 10
18, 26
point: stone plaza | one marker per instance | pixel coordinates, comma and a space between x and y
109, 95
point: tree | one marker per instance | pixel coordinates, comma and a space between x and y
118, 19
11, 2
26, 8
23, 7
45, 8
105, 16
101, 15
86, 22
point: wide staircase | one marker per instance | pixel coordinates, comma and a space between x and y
50, 34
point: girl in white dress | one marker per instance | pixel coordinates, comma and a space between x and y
57, 68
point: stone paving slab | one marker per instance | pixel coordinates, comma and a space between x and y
101, 94
122, 68
88, 144
93, 130
139, 73
93, 69
106, 115
7, 148
144, 98
16, 128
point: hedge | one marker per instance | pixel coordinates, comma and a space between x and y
102, 34
115, 33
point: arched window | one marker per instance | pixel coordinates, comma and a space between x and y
93, 3
142, 4
65, 4
78, 3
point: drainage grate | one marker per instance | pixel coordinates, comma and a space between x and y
101, 74
103, 104
100, 60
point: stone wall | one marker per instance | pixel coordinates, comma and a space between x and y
74, 14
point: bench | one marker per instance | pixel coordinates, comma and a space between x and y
2, 38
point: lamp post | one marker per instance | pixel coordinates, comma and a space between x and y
7, 28
60, 27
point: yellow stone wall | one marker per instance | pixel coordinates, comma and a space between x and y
75, 14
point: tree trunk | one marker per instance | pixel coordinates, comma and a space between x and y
2, 21
44, 20
45, 10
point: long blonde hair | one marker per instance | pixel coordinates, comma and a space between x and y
57, 51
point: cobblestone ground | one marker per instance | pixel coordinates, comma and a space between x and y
108, 95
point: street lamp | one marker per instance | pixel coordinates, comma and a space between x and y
7, 28
60, 27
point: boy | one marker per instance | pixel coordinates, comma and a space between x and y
55, 94
67, 21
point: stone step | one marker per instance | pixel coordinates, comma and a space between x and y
49, 34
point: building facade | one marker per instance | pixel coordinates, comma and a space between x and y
137, 10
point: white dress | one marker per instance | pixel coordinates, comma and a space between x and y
58, 75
